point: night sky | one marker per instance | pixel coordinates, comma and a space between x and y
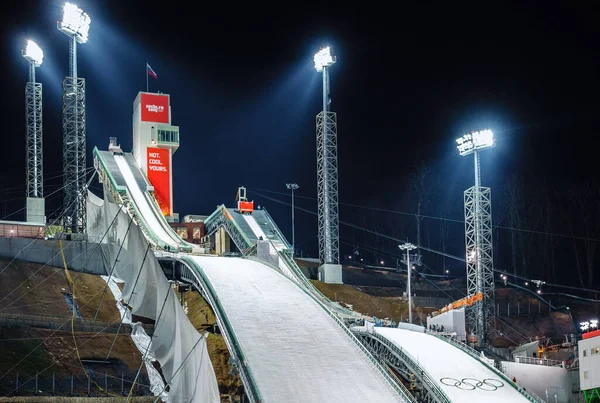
244, 92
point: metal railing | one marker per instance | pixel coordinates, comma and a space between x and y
540, 361
475, 354
412, 364
279, 233
203, 284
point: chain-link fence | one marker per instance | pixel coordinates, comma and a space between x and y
96, 384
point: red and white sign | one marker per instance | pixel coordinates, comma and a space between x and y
155, 108
159, 175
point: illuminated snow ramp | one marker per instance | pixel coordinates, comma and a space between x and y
448, 372
246, 229
127, 184
291, 348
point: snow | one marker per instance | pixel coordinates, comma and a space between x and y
295, 350
442, 360
259, 232
144, 208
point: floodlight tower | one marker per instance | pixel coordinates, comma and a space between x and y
35, 205
330, 270
478, 235
76, 25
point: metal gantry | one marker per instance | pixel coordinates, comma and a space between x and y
480, 266
75, 24
478, 236
33, 113
327, 171
74, 157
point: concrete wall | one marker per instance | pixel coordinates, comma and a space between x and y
540, 378
80, 256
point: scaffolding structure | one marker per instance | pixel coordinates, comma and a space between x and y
480, 267
75, 24
327, 171
74, 157
478, 238
34, 175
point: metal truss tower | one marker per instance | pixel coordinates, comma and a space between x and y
327, 177
75, 25
478, 238
480, 266
35, 208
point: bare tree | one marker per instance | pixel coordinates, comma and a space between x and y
584, 202
424, 186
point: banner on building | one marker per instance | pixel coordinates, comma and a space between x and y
155, 108
159, 175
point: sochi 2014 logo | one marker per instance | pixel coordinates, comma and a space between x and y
155, 108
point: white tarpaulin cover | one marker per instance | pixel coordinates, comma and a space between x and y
176, 345
295, 350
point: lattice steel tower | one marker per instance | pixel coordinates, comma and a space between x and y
330, 270
35, 207
75, 24
478, 237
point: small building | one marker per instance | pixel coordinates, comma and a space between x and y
192, 232
526, 350
589, 365
18, 229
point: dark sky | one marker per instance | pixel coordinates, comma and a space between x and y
408, 81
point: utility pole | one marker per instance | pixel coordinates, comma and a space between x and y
292, 187
408, 247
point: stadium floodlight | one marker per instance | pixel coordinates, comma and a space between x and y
33, 53
475, 141
584, 326
75, 23
323, 58
594, 323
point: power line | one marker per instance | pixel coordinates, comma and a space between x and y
448, 255
430, 217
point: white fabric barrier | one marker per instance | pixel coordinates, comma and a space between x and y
175, 344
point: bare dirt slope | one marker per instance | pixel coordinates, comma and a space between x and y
203, 318
33, 289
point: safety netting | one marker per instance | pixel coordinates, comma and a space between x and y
178, 348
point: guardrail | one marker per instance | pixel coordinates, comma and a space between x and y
398, 387
202, 283
539, 361
412, 364
274, 224
475, 354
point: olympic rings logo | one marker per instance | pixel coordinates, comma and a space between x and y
488, 384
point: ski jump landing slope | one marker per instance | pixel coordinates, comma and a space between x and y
295, 350
462, 377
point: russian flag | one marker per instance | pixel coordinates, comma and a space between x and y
150, 71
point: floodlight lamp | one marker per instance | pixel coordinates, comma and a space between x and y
475, 141
594, 323
323, 58
33, 53
75, 23
584, 326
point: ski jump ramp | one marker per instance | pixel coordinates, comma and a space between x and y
292, 345
460, 376
294, 348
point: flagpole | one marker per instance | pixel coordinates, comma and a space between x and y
147, 90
